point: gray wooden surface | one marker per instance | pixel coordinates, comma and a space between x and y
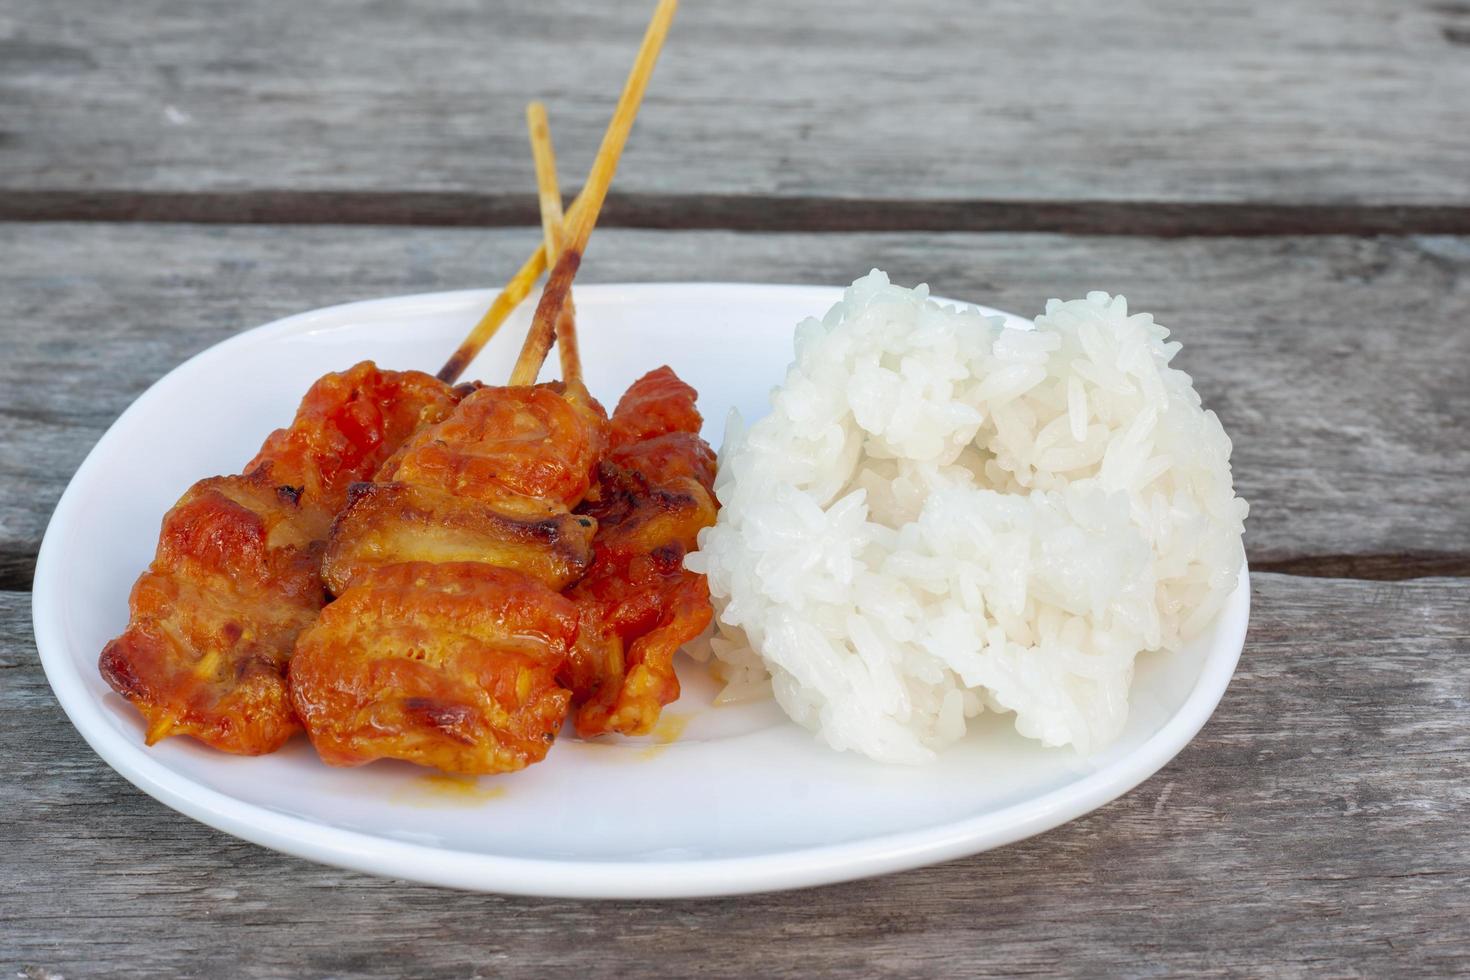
1341, 101
1285, 185
1350, 438
1316, 825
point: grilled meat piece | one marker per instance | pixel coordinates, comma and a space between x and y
638, 604
446, 665
237, 572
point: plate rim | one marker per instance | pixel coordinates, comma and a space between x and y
587, 878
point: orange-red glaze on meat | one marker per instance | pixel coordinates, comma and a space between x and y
447, 665
527, 451
495, 482
215, 617
236, 577
638, 604
345, 429
388, 523
655, 404
449, 628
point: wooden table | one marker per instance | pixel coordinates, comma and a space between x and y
1287, 185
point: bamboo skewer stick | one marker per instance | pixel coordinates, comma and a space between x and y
548, 195
516, 290
520, 285
594, 193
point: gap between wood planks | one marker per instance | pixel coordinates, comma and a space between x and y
18, 569
765, 213
1374, 568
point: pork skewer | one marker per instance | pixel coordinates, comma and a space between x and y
403, 665
214, 618
637, 605
489, 484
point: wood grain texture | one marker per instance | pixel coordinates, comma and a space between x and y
1337, 365
1328, 101
1317, 826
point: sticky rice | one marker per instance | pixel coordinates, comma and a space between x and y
942, 516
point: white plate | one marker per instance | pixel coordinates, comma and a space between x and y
740, 801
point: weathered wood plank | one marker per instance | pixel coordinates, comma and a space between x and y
1317, 826
1339, 101
1337, 365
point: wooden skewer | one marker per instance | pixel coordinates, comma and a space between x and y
583, 220
548, 195
516, 290
520, 285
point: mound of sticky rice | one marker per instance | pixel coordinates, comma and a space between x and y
942, 515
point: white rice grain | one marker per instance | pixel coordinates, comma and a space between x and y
941, 514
